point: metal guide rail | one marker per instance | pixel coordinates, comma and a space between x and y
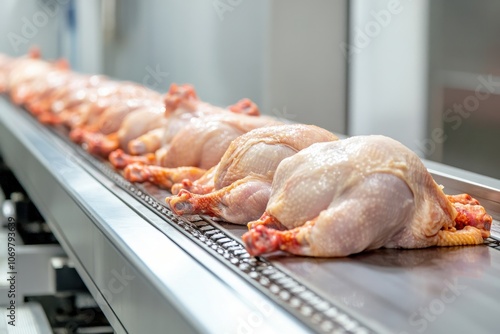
316, 300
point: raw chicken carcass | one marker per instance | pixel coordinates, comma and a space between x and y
155, 139
54, 74
203, 141
83, 107
181, 107
361, 193
179, 111
58, 98
112, 114
134, 124
16, 72
104, 110
111, 118
239, 187
201, 144
21, 71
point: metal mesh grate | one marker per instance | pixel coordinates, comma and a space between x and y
493, 243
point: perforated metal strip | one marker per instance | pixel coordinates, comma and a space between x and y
493, 243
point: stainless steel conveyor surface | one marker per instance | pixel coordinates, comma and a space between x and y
435, 290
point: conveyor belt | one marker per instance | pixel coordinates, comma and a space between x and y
314, 310
379, 291
299, 284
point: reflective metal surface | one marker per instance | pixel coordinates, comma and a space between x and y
439, 290
34, 320
433, 290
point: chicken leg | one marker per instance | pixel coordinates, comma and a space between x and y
203, 185
246, 107
470, 213
237, 203
120, 159
163, 177
147, 143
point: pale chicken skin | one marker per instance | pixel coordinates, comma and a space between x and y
199, 145
56, 74
57, 98
186, 119
238, 189
24, 70
134, 124
113, 114
340, 198
203, 141
15, 73
95, 101
112, 118
182, 107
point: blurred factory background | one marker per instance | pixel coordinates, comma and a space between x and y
426, 73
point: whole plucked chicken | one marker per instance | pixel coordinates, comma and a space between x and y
201, 144
103, 114
238, 188
20, 71
48, 76
184, 112
111, 119
340, 198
